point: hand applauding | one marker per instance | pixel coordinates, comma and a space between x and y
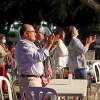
90, 39
51, 40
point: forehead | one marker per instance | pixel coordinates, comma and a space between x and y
3, 37
63, 33
74, 28
40, 30
13, 46
29, 27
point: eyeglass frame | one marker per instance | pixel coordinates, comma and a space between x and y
31, 31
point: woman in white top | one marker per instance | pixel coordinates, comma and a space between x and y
60, 55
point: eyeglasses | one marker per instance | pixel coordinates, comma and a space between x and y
31, 31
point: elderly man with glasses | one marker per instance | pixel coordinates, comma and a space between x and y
30, 58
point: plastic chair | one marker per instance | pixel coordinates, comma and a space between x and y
58, 70
36, 91
12, 78
8, 86
96, 69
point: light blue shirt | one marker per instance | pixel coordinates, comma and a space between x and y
29, 58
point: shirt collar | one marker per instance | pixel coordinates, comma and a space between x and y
27, 40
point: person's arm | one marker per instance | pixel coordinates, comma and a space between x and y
8, 53
3, 53
77, 44
35, 54
50, 41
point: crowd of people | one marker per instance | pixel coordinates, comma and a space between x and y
7, 58
36, 56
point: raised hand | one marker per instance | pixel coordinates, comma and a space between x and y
56, 38
90, 39
94, 38
50, 39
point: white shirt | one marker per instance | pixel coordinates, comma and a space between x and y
60, 55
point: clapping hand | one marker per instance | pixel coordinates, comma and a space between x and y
56, 38
90, 39
50, 39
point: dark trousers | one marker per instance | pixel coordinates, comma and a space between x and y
80, 74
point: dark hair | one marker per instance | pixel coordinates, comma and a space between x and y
36, 28
11, 45
58, 31
1, 36
23, 29
69, 34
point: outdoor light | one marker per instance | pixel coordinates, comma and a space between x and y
54, 27
43, 23
15, 23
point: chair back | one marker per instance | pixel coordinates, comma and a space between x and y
35, 93
12, 78
57, 70
8, 86
96, 69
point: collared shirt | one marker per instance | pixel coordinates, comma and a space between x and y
76, 56
30, 58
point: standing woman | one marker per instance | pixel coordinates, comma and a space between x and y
60, 55
77, 60
3, 54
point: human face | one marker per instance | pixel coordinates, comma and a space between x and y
75, 32
13, 49
30, 33
40, 35
4, 40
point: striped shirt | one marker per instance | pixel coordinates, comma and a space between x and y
76, 54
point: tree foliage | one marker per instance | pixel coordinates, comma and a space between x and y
34, 11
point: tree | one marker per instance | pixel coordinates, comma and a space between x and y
95, 5
56, 11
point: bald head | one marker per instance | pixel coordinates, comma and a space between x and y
24, 28
27, 31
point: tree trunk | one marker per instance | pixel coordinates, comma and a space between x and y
94, 5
